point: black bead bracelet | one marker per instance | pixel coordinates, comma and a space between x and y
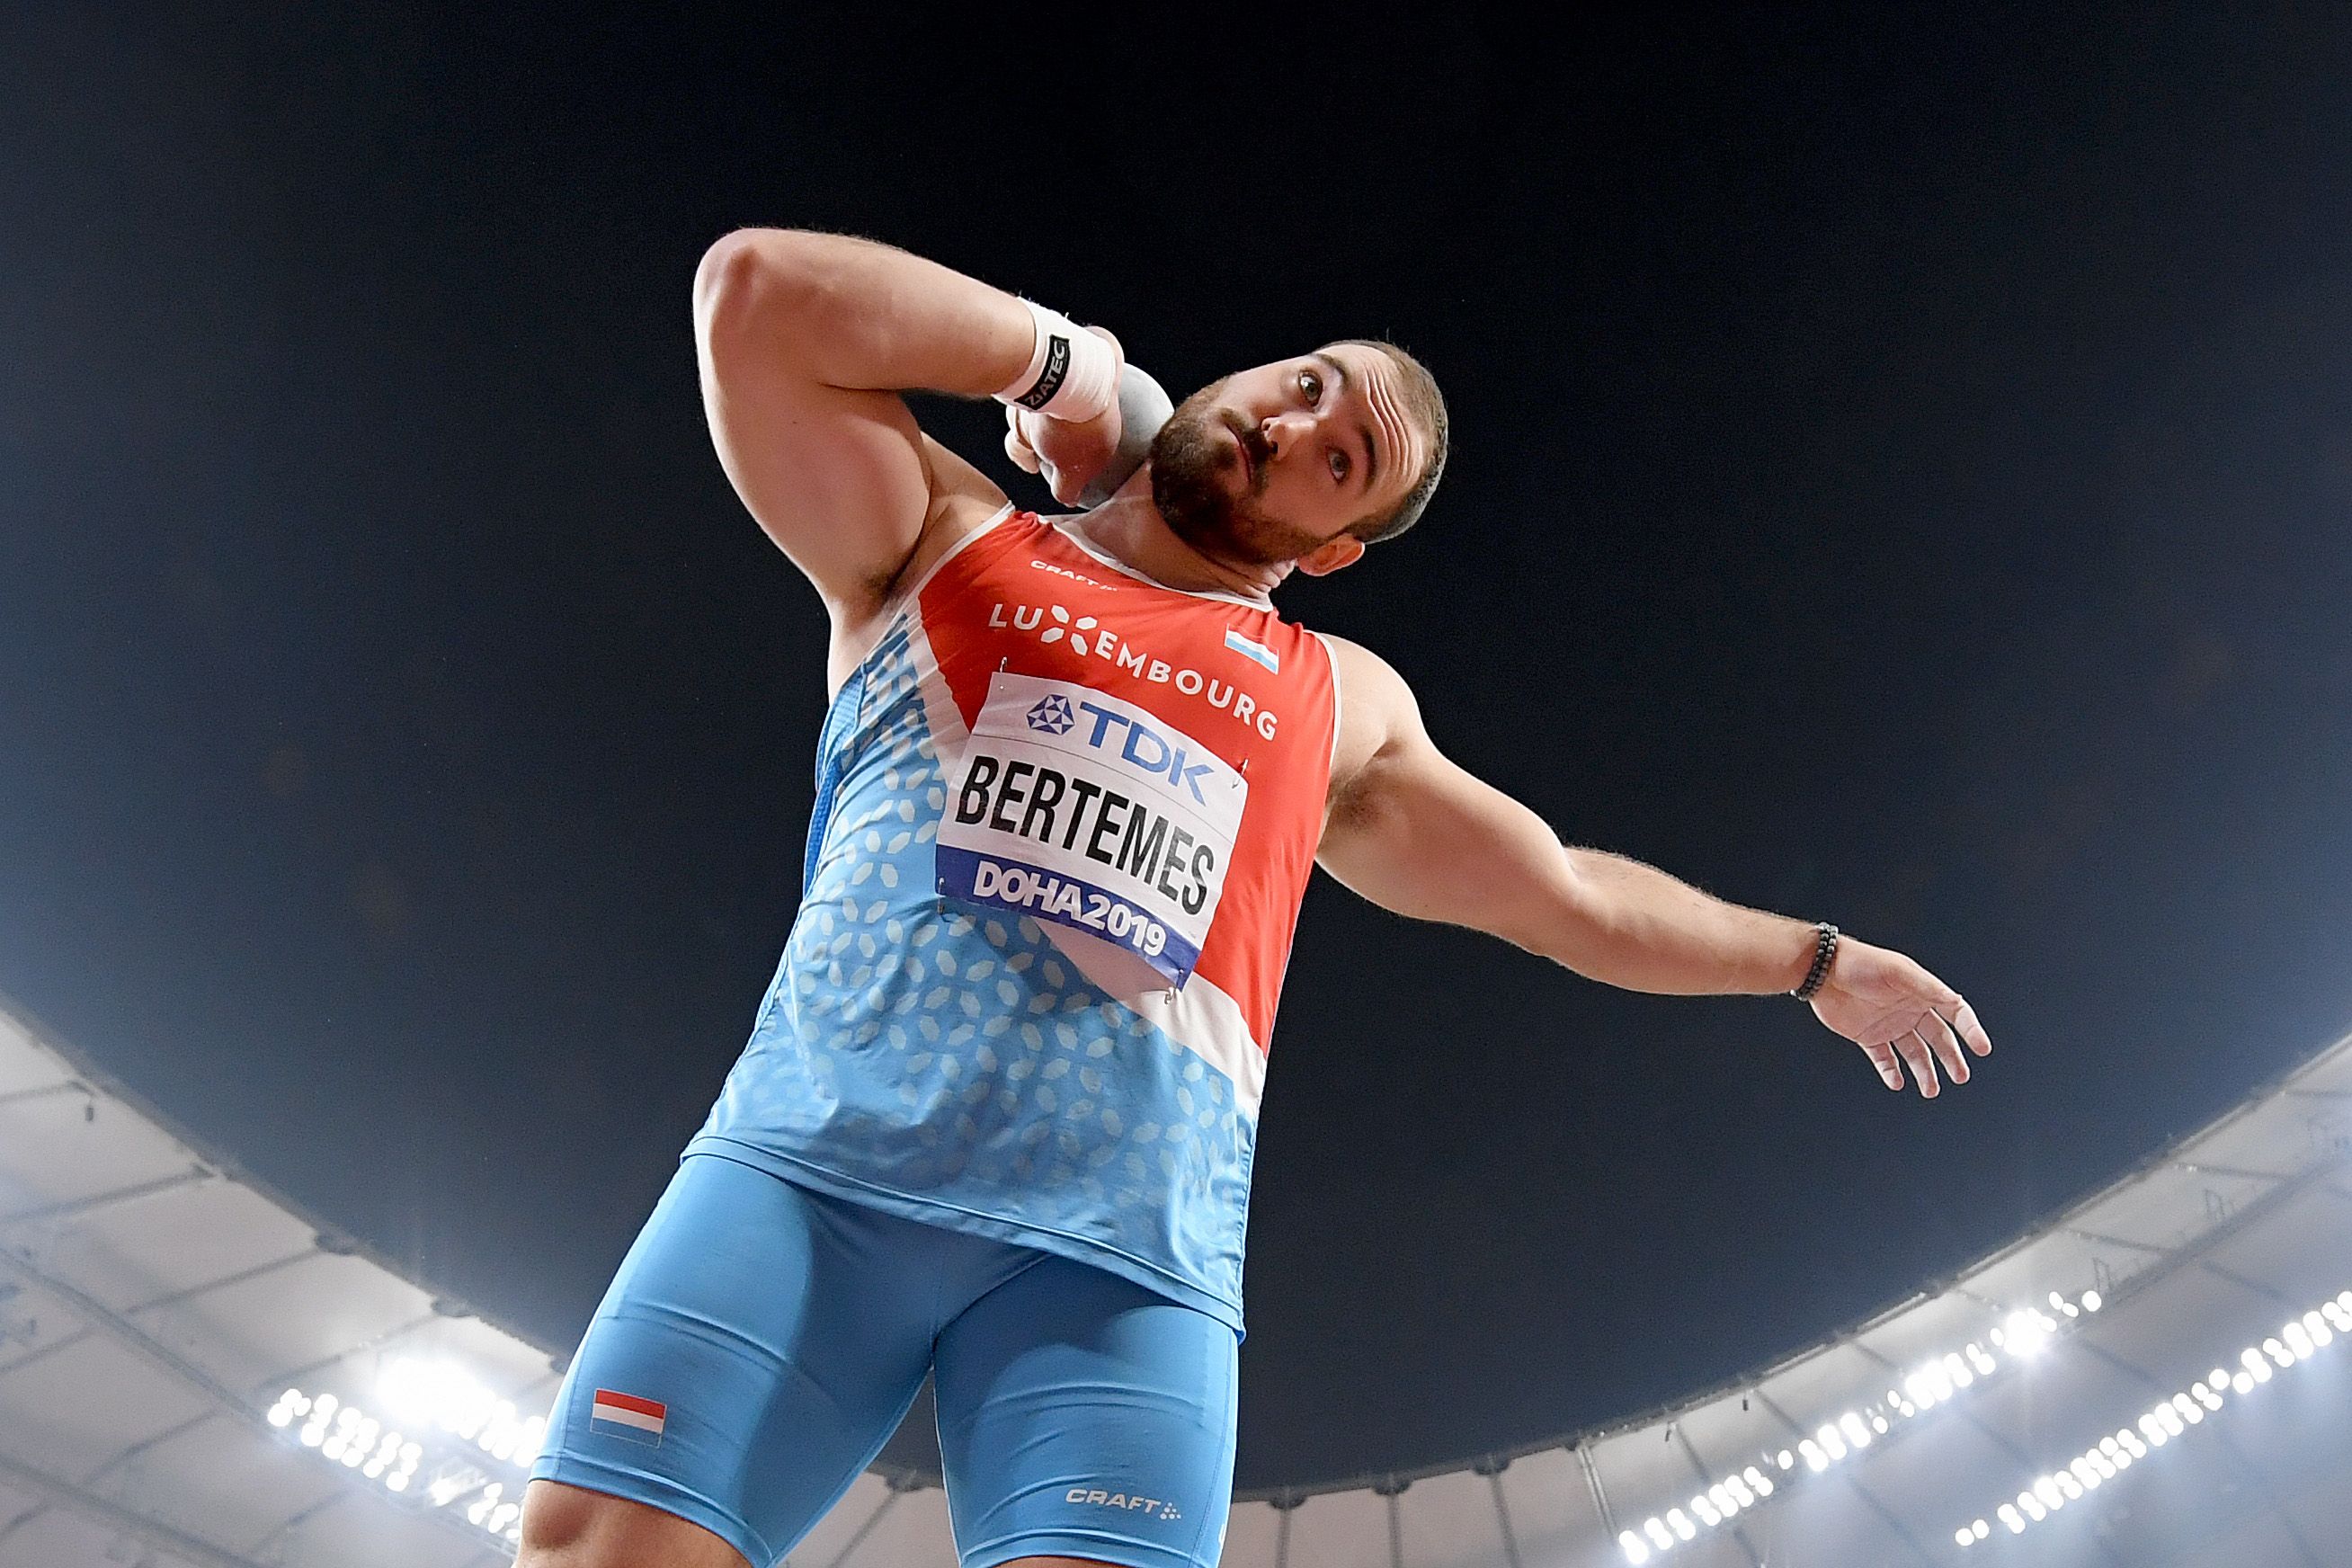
1825, 948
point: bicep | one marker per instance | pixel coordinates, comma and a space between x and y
1416, 833
841, 479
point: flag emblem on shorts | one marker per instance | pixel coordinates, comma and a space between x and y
627, 1416
1256, 650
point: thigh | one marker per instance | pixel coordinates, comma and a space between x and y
759, 1345
1084, 1416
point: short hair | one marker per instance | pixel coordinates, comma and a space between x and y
1424, 402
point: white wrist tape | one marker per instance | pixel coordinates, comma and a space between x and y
1073, 374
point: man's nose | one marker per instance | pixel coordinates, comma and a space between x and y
1284, 430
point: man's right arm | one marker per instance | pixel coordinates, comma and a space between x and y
805, 342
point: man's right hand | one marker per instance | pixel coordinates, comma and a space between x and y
1068, 456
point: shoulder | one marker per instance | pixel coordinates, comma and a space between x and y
1361, 669
1377, 709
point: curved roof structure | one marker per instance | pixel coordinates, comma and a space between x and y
192, 1374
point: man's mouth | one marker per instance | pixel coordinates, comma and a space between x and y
1249, 467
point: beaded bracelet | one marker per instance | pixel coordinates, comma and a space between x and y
1825, 948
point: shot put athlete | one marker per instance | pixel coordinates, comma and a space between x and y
995, 1119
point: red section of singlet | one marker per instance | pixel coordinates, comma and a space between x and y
1022, 596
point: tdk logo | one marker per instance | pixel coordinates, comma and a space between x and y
1101, 1499
1052, 714
1140, 747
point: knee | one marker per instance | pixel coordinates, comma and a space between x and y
561, 1529
572, 1527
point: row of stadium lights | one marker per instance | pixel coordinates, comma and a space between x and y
438, 1394
2021, 1336
431, 1395
2086, 1473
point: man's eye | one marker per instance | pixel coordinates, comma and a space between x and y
1310, 387
1338, 465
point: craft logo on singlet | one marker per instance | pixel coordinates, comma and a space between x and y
1074, 806
1088, 637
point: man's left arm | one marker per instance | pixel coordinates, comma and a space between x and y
1415, 833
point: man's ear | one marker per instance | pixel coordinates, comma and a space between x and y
1339, 550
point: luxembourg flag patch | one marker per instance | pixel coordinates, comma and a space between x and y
1256, 650
627, 1416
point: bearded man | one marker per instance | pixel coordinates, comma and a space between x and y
995, 1121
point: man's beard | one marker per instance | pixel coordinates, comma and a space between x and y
1192, 472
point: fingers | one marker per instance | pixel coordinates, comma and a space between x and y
1937, 1037
1890, 1068
1016, 443
1922, 1061
1965, 1022
1024, 457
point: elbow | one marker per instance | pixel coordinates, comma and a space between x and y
731, 279
1562, 918
754, 279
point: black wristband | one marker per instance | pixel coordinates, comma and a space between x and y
1824, 949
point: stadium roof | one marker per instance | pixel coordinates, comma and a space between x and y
2149, 1378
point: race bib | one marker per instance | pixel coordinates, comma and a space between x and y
1076, 807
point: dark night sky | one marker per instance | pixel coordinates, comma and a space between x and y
1902, 475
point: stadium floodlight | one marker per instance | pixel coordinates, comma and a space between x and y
2024, 1334
348, 1436
2020, 1335
1636, 1550
2166, 1420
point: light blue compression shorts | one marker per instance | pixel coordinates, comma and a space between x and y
761, 1340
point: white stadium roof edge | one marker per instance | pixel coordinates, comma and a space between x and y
193, 1372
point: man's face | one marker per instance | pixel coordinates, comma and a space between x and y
1272, 464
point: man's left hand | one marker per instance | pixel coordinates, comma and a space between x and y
1898, 1013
